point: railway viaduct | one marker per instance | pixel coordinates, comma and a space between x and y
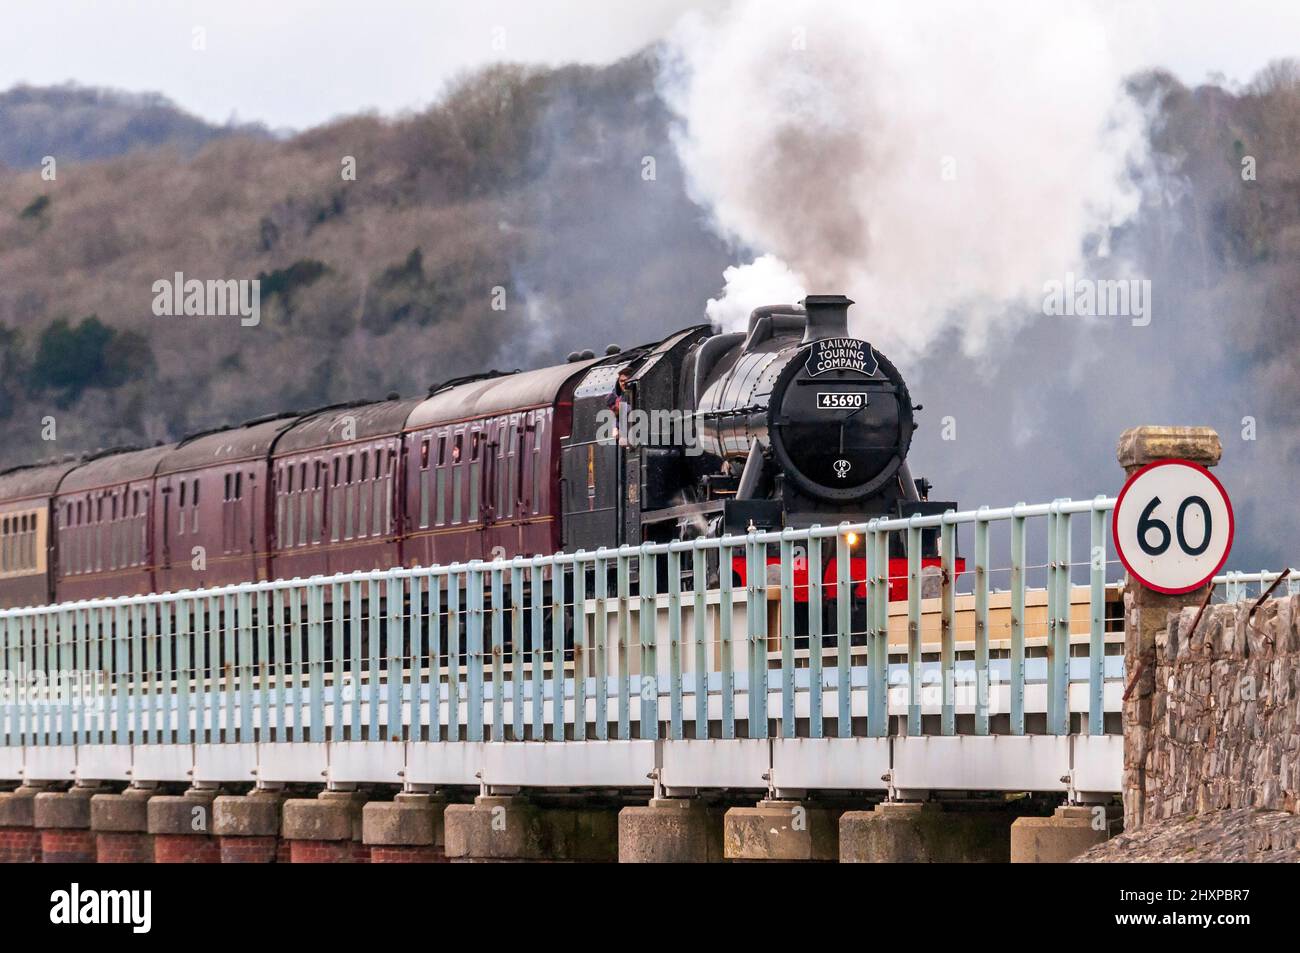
1028, 746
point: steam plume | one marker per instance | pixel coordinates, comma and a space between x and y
938, 162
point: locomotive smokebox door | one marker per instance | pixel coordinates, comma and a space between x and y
841, 413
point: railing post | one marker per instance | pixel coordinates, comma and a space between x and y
726, 610
602, 637
981, 623
674, 644
787, 635
245, 666
557, 651
1097, 619
435, 657
756, 617
844, 634
913, 627
416, 715
355, 624
815, 676
537, 599
1061, 687
699, 616
374, 609
1017, 684
183, 669
878, 685
624, 638
948, 626
474, 651
580, 648
453, 657
498, 652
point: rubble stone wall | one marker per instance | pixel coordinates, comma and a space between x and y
1224, 731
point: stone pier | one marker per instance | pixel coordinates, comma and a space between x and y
182, 828
247, 828
1070, 831
913, 832
20, 841
782, 830
120, 823
670, 831
497, 828
407, 830
325, 829
63, 819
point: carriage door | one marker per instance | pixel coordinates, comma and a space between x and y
488, 491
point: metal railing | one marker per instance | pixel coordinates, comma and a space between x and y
649, 642
1236, 586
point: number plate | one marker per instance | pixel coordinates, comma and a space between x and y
840, 400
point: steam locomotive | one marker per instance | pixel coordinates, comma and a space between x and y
790, 422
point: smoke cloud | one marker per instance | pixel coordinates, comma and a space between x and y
937, 162
766, 280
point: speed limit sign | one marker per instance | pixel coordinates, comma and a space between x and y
1173, 526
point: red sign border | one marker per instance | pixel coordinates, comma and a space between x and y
1114, 525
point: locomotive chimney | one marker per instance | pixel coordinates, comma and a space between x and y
828, 317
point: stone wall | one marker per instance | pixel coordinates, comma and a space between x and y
1224, 730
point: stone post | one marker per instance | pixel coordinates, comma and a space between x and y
1147, 612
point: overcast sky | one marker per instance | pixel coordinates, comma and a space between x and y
295, 63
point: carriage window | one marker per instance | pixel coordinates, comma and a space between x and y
318, 504
442, 451
349, 474
365, 460
455, 478
334, 505
239, 486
